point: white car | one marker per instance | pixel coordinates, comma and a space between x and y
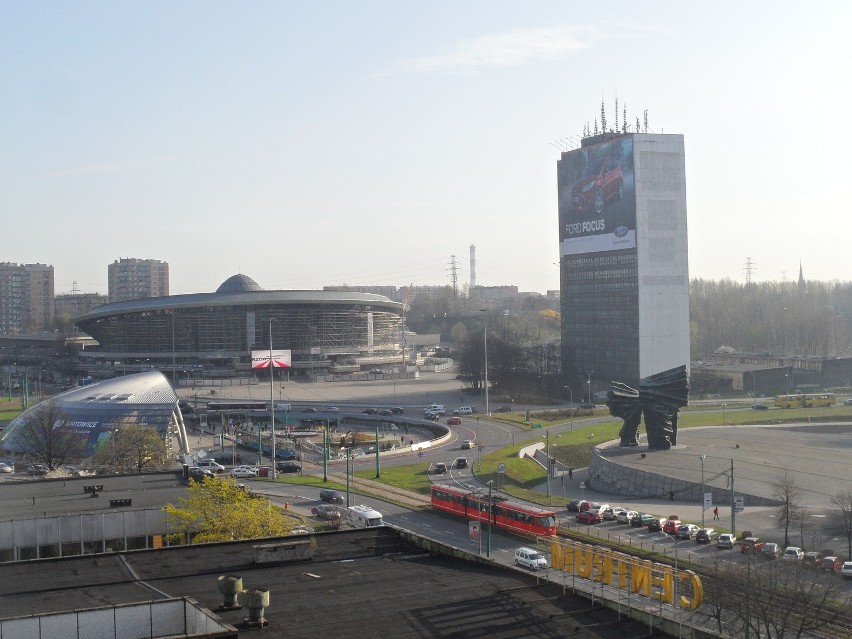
6, 468
530, 558
726, 540
243, 471
846, 569
611, 514
793, 552
624, 516
686, 531
210, 464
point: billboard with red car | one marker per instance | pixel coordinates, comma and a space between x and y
597, 198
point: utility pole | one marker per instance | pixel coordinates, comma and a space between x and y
733, 504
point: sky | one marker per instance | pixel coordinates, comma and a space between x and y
307, 144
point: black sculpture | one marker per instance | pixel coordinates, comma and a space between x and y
659, 397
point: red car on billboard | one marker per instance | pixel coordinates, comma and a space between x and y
603, 183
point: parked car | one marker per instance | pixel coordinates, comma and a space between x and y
461, 462
726, 540
330, 496
847, 402
602, 183
590, 505
588, 406
751, 545
287, 467
794, 552
759, 407
210, 464
454, 421
530, 558
38, 470
589, 517
686, 531
831, 564
771, 551
846, 569
625, 516
670, 526
812, 559
574, 505
706, 535
611, 514
656, 524
6, 468
642, 519
243, 472
440, 468
328, 512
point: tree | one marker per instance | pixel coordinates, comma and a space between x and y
218, 509
842, 520
133, 448
788, 492
49, 437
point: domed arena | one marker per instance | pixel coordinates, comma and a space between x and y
213, 334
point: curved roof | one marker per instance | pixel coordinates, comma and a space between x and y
96, 410
257, 298
238, 284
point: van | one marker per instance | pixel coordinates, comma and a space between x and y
530, 558
463, 410
434, 409
364, 517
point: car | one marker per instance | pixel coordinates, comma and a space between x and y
440, 468
771, 551
670, 526
287, 467
793, 553
432, 417
453, 421
602, 183
751, 545
686, 531
759, 407
309, 410
611, 514
329, 409
376, 371
328, 512
6, 468
467, 444
706, 535
812, 559
385, 412
656, 524
461, 462
210, 464
847, 402
642, 519
590, 505
530, 558
243, 472
846, 569
463, 410
38, 469
370, 411
397, 410
503, 409
726, 540
588, 406
199, 474
574, 505
831, 564
330, 496
589, 517
625, 516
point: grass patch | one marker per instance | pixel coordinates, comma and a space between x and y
413, 477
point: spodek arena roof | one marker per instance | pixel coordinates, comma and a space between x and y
97, 410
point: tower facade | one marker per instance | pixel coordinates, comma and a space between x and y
26, 298
131, 279
623, 259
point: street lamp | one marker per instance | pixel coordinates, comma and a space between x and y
702, 490
548, 467
571, 411
272, 395
485, 338
488, 545
589, 382
723, 413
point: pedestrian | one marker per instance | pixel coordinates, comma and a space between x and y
570, 473
716, 513
671, 495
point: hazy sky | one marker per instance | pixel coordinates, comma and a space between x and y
313, 143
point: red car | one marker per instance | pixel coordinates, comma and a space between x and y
671, 526
589, 505
453, 421
589, 517
603, 183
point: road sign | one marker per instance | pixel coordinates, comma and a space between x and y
501, 468
708, 500
739, 504
473, 529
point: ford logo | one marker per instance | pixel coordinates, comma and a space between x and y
621, 231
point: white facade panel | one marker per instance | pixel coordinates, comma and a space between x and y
662, 252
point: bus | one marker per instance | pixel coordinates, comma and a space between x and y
806, 400
515, 517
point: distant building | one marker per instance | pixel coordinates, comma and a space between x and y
133, 279
26, 298
623, 258
67, 306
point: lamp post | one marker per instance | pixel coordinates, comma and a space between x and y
590, 435
723, 413
488, 544
547, 452
571, 412
702, 489
272, 395
485, 346
589, 382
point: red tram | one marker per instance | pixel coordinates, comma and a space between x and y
512, 516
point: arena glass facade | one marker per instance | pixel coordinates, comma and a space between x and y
325, 331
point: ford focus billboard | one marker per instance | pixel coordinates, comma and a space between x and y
597, 198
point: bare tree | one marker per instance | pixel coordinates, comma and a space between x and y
133, 448
842, 520
788, 492
49, 437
